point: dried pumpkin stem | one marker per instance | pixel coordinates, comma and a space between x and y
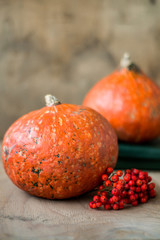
51, 100
125, 61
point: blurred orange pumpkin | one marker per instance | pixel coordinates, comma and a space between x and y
130, 101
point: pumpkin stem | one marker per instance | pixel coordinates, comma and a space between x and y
51, 100
125, 61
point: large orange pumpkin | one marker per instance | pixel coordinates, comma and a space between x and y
59, 151
130, 101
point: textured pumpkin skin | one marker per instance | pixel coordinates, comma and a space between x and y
131, 103
60, 151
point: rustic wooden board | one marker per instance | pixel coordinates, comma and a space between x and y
24, 217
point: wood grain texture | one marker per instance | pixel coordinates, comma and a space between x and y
24, 217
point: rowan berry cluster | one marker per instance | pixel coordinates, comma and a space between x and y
118, 189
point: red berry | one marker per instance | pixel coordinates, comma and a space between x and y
136, 195
125, 200
126, 186
138, 189
141, 175
140, 195
128, 171
144, 181
109, 170
119, 173
149, 179
133, 188
104, 177
103, 193
119, 197
146, 197
144, 187
139, 182
124, 193
146, 174
145, 193
111, 200
98, 204
96, 198
151, 186
119, 186
115, 191
128, 201
103, 199
134, 203
92, 205
127, 177
134, 178
115, 178
114, 185
121, 181
130, 192
107, 206
132, 198
131, 183
135, 171
101, 187
108, 183
115, 206
121, 203
143, 200
115, 199
152, 193
121, 206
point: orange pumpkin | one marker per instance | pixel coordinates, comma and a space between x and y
59, 151
130, 101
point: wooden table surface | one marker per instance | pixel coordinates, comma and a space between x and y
24, 217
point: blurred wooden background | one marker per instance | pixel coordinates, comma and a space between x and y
64, 47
